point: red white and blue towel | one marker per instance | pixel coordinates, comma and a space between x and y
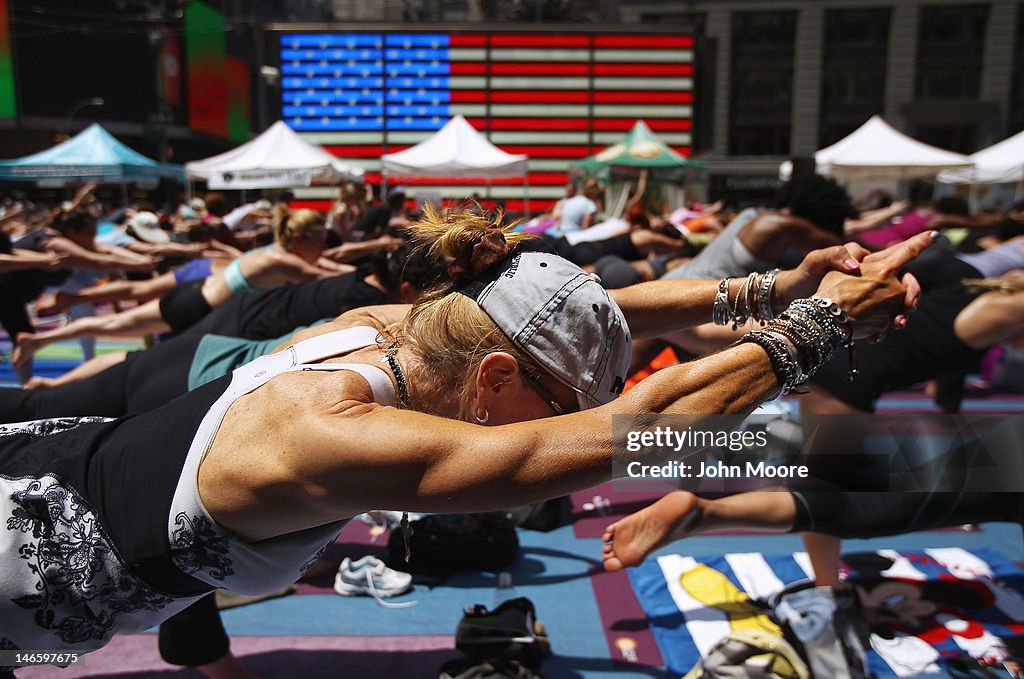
923, 607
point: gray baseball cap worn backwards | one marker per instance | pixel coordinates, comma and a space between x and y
562, 317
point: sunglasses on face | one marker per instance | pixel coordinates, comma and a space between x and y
545, 394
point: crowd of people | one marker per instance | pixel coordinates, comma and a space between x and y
308, 367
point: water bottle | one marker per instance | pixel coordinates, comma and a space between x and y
504, 591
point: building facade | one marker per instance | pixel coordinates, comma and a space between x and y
782, 78
793, 77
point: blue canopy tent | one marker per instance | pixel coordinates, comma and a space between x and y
92, 155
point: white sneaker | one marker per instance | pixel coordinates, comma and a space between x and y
370, 577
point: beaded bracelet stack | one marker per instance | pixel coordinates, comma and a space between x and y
799, 341
756, 294
802, 339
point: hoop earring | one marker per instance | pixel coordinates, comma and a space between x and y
482, 420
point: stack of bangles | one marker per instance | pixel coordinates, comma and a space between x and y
799, 341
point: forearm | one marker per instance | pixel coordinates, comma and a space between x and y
108, 292
871, 219
89, 368
20, 262
350, 251
535, 460
334, 267
95, 261
125, 256
661, 307
182, 249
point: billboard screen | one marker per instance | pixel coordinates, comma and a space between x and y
207, 76
556, 97
8, 105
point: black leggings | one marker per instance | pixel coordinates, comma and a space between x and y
184, 306
586, 252
148, 379
13, 317
195, 636
980, 480
143, 381
866, 515
272, 313
927, 348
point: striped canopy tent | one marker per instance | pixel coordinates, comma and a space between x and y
92, 155
641, 149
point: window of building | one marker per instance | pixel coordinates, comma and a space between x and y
854, 56
692, 22
1017, 91
761, 82
950, 46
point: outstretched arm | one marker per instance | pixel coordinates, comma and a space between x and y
29, 259
992, 318
91, 260
333, 455
293, 269
659, 308
140, 321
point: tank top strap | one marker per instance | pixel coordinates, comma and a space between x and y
315, 349
381, 385
307, 354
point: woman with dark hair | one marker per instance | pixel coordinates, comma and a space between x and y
809, 213
115, 526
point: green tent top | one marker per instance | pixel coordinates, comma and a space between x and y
91, 155
640, 148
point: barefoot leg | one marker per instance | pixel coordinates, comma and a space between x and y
629, 541
823, 551
680, 514
25, 347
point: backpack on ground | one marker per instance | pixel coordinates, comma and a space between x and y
442, 544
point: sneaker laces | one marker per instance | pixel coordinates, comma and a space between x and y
379, 570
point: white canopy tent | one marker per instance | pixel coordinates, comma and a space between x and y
457, 150
1001, 163
278, 158
876, 150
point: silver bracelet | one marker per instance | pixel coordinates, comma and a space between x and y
780, 355
787, 343
764, 296
720, 309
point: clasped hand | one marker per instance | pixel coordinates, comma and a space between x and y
873, 288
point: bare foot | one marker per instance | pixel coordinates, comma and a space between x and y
24, 349
40, 383
931, 389
629, 541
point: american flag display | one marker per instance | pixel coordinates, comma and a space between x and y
557, 97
